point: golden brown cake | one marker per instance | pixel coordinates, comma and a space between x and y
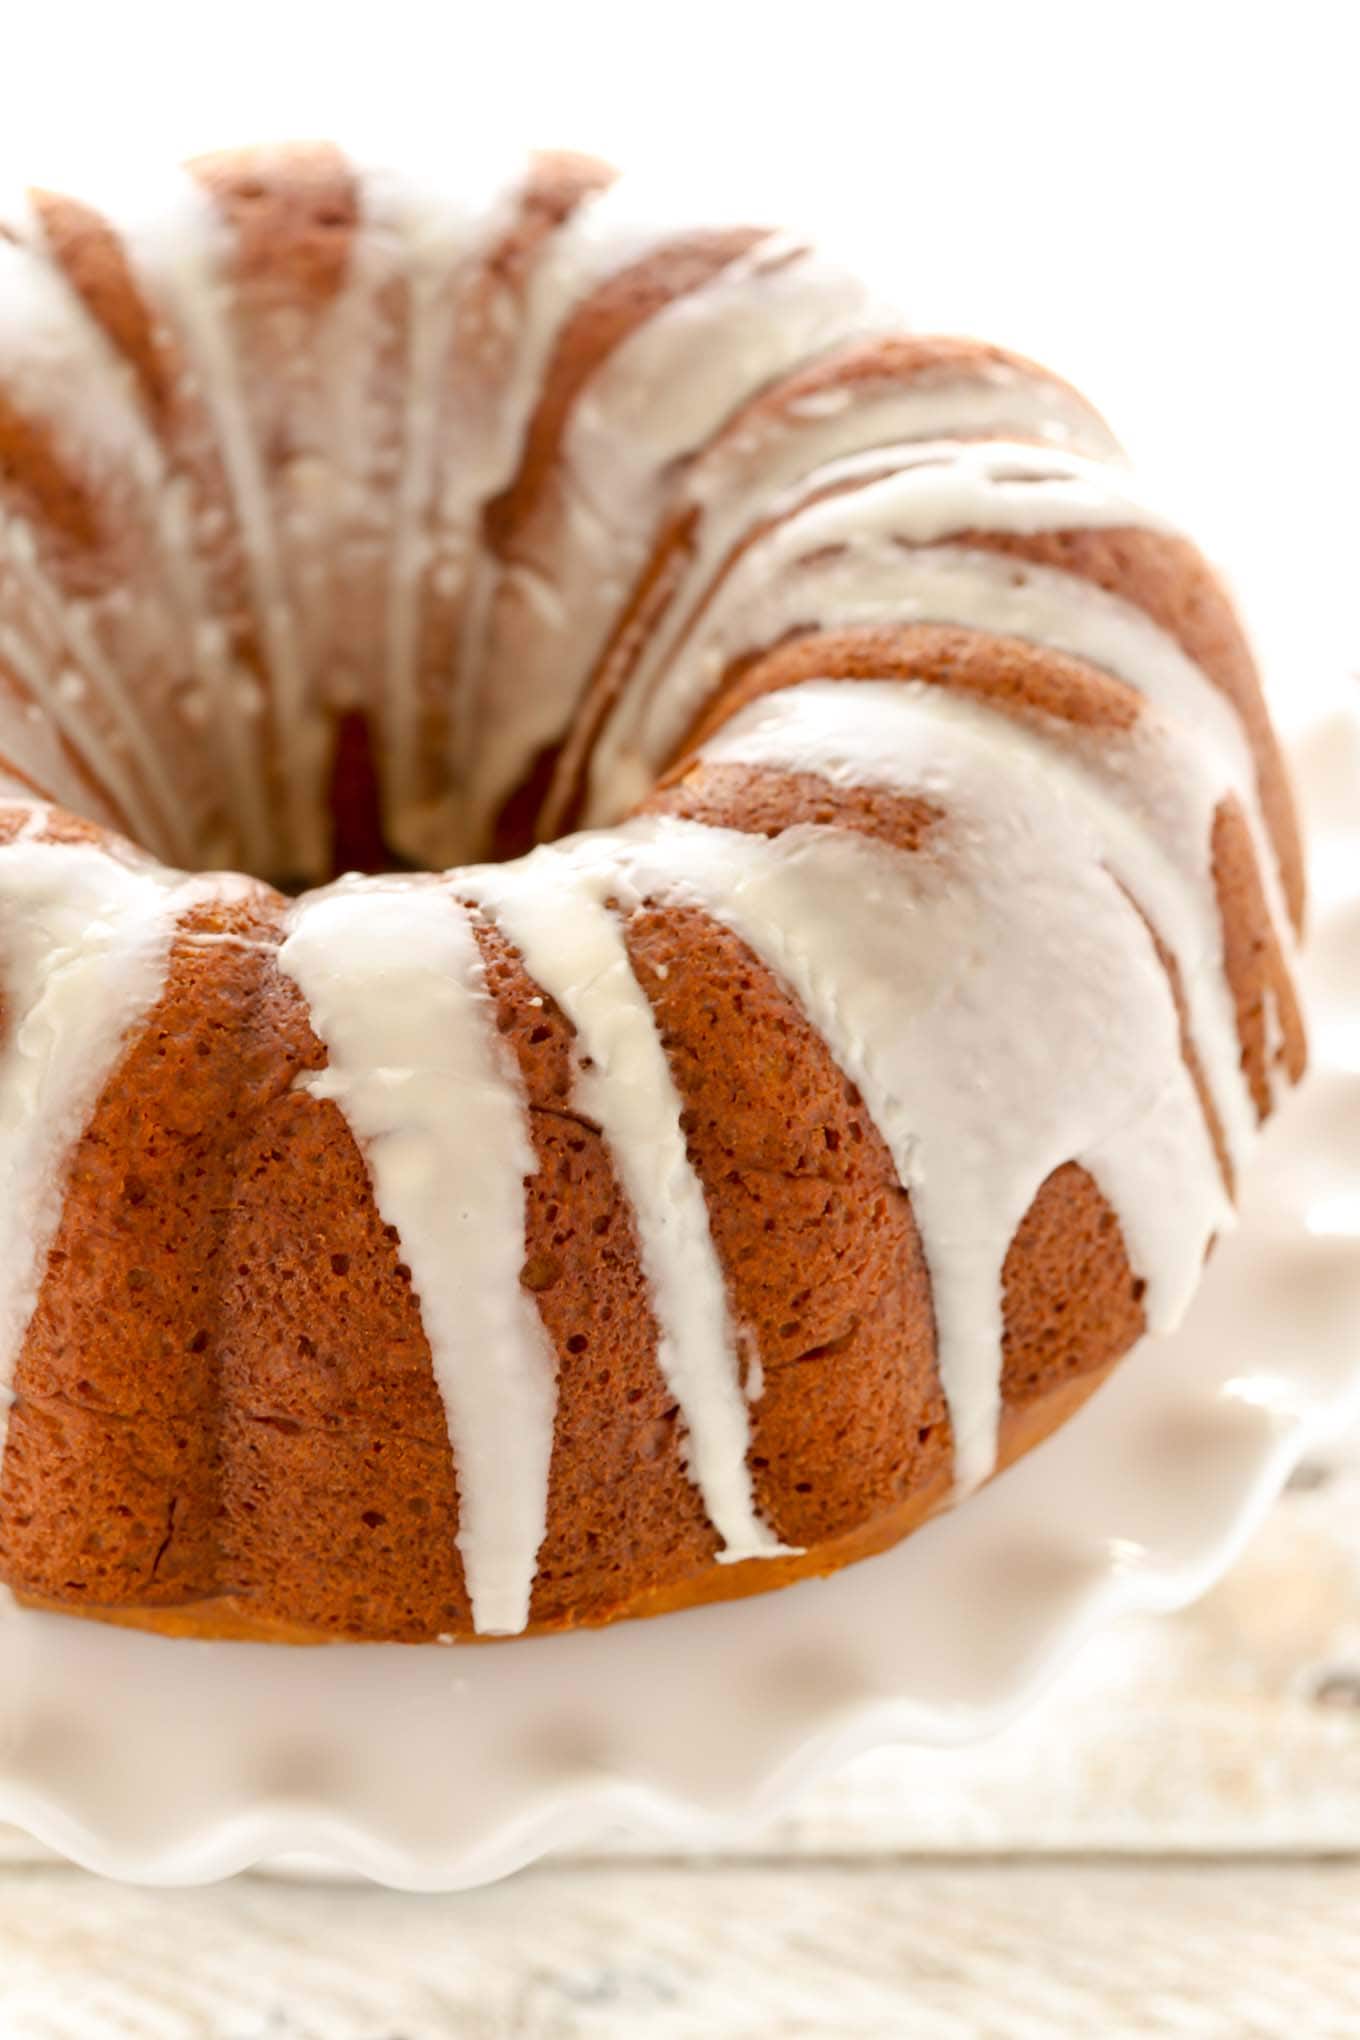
700, 1199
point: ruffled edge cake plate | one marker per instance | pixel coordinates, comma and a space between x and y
178, 1762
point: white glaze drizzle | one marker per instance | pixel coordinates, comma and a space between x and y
1013, 940
40, 356
935, 488
659, 396
33, 730
85, 940
393, 980
166, 631
765, 469
860, 575
552, 908
751, 473
131, 643
64, 712
434, 258
458, 440
1147, 795
183, 249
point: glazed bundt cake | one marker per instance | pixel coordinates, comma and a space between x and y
505, 1237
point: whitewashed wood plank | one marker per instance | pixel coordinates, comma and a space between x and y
999, 1951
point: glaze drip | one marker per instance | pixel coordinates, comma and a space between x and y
393, 982
85, 938
553, 906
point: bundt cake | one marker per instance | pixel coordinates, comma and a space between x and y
503, 1237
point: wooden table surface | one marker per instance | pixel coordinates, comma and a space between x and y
1169, 1843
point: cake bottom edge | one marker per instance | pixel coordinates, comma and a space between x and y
232, 1618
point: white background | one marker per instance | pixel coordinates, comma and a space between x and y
1159, 200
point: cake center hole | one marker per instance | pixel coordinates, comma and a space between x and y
359, 840
354, 803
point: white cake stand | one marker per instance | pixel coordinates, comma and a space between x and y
433, 1769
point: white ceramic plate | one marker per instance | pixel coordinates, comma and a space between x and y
436, 1769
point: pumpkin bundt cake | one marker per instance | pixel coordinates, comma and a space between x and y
506, 1237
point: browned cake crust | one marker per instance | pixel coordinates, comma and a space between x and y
228, 1617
